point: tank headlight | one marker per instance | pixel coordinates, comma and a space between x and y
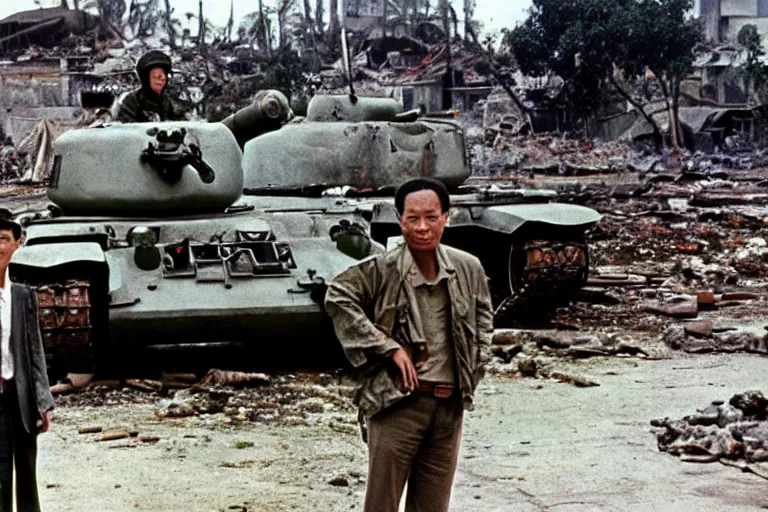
142, 236
145, 254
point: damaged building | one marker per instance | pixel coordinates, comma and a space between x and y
722, 19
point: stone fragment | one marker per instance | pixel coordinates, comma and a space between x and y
527, 366
700, 329
506, 338
684, 309
339, 481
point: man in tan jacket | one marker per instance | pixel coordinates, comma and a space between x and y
416, 322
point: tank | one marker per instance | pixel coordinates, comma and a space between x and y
147, 247
349, 154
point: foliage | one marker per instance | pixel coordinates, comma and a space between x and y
572, 39
658, 34
585, 41
284, 71
754, 72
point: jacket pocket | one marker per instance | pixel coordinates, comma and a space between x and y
466, 312
385, 320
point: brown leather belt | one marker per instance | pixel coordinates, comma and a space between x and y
436, 390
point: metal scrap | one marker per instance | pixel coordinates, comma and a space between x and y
735, 433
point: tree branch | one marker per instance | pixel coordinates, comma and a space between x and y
638, 107
674, 129
500, 79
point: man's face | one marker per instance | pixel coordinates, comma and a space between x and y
157, 79
8, 245
423, 220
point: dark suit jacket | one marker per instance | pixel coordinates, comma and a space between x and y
30, 374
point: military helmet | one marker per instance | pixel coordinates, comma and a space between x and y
153, 59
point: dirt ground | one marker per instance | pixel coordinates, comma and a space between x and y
531, 444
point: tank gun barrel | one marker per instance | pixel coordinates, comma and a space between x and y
269, 111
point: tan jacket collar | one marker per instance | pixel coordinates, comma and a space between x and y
406, 264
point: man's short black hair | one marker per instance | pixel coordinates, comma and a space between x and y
7, 222
418, 184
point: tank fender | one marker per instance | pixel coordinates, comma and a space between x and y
44, 255
506, 218
509, 218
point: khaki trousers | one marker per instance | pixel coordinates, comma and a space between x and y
416, 440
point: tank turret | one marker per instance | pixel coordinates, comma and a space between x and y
359, 142
156, 169
333, 108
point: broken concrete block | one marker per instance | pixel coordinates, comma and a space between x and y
685, 309
674, 336
527, 366
506, 338
700, 329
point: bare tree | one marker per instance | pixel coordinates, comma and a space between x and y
169, 22
309, 27
335, 25
469, 14
284, 8
319, 16
230, 21
264, 30
201, 28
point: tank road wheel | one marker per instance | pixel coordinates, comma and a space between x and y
64, 311
545, 274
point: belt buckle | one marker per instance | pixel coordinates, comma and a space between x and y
442, 391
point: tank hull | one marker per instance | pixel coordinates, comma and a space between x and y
219, 297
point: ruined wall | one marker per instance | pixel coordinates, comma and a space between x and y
19, 121
709, 11
33, 84
738, 8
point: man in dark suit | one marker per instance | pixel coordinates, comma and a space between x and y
25, 400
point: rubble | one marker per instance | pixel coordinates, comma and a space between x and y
735, 433
535, 354
680, 337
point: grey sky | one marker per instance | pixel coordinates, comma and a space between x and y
495, 14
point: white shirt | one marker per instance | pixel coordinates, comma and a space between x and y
6, 362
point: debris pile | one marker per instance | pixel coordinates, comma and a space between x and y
535, 353
302, 399
546, 153
734, 433
288, 400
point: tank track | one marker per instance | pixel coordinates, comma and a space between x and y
64, 311
548, 273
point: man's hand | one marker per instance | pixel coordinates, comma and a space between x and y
407, 370
46, 422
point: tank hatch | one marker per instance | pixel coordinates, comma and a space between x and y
146, 169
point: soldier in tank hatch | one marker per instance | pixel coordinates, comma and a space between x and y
150, 102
